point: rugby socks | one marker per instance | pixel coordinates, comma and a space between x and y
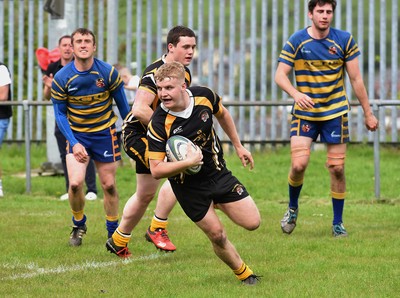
337, 205
79, 218
294, 192
121, 239
243, 272
158, 223
111, 224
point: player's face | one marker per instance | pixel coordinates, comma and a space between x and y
83, 46
65, 48
171, 92
321, 17
184, 50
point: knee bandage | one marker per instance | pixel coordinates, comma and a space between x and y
300, 151
335, 159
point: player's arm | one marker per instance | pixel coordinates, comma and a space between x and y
4, 92
5, 82
160, 168
353, 70
47, 80
228, 125
282, 80
121, 101
142, 106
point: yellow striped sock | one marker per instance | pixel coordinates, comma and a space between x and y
78, 215
120, 238
111, 218
158, 224
243, 272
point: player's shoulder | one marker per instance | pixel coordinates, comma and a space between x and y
65, 72
338, 34
151, 68
201, 91
102, 65
299, 35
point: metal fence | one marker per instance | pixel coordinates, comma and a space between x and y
238, 45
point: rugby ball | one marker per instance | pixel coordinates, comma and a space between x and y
176, 149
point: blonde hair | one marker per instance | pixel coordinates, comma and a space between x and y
170, 70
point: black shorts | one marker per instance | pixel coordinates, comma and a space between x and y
135, 145
195, 197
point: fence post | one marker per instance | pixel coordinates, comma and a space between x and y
376, 155
25, 104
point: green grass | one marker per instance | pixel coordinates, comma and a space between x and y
36, 260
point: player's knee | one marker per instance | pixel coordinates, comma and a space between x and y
300, 156
110, 189
337, 171
335, 164
75, 187
253, 224
298, 167
218, 237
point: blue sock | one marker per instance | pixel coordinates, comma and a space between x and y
337, 211
111, 227
294, 193
79, 222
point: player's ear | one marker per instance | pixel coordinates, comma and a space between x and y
169, 47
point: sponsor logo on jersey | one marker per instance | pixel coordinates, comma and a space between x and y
305, 51
100, 83
204, 116
178, 130
332, 50
72, 88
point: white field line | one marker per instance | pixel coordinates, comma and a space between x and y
36, 270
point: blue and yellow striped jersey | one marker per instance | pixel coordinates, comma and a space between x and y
319, 66
88, 95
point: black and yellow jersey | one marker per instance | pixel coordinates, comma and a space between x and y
195, 123
148, 83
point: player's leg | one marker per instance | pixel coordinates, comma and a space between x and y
223, 248
300, 156
62, 143
107, 172
243, 212
76, 176
157, 232
335, 133
90, 180
137, 204
335, 163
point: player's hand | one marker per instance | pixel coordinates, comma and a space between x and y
47, 80
371, 122
194, 156
245, 157
80, 153
303, 101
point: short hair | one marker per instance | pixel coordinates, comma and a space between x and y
176, 32
313, 3
62, 37
83, 31
170, 70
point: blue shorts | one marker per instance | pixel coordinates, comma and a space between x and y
101, 146
334, 131
3, 128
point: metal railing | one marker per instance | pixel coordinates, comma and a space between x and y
376, 105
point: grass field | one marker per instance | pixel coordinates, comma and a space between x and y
36, 260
